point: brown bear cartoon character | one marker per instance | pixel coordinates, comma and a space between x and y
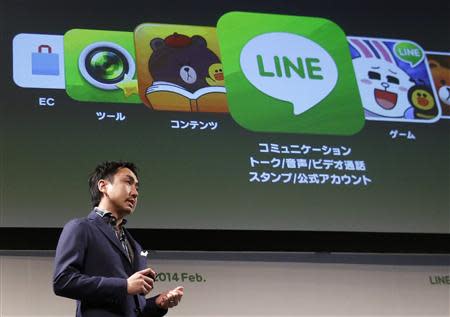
440, 69
187, 75
181, 60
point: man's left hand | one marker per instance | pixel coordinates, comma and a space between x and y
170, 298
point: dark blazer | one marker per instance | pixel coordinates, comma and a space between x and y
92, 267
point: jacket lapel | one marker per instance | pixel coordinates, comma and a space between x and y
108, 232
136, 251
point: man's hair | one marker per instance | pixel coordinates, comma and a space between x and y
106, 170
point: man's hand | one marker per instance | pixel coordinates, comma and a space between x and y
141, 282
170, 298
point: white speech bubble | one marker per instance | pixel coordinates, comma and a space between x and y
303, 92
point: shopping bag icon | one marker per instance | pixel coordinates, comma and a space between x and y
44, 63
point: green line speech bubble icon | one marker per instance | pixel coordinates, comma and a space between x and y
289, 67
289, 74
409, 52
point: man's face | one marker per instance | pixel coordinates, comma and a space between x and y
121, 193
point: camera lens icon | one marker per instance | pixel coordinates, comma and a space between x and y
105, 64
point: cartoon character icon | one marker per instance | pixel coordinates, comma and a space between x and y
181, 60
215, 73
382, 84
440, 70
185, 75
421, 97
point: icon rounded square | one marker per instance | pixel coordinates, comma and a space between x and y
179, 68
100, 66
289, 74
439, 63
38, 61
394, 80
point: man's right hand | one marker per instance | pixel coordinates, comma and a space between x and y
141, 282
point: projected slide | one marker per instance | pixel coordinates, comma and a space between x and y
244, 119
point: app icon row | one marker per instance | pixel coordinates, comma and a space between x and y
272, 73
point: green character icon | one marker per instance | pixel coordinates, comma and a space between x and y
289, 74
100, 66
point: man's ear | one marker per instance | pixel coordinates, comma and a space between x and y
102, 184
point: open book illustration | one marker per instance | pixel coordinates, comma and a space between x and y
171, 97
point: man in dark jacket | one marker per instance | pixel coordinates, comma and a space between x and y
98, 263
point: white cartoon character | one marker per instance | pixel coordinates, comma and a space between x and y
383, 85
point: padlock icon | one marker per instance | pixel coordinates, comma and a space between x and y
44, 63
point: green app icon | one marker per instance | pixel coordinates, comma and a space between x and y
409, 52
289, 74
100, 66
